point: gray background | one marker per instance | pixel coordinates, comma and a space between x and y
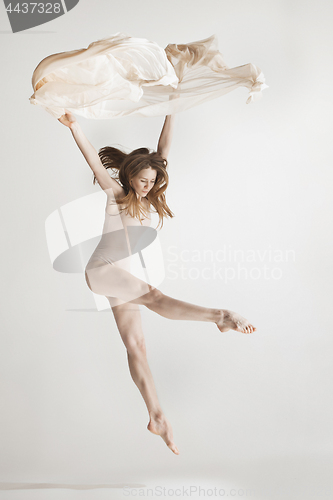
248, 411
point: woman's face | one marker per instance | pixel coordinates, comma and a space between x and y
144, 181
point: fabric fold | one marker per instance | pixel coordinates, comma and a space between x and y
121, 75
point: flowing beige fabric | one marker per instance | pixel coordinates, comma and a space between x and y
121, 75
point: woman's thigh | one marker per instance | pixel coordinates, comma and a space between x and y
115, 282
128, 319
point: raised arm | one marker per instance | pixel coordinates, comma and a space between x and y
89, 152
165, 139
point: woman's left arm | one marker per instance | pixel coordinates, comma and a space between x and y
165, 139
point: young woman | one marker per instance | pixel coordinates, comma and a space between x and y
143, 180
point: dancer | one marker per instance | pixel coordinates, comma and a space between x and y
141, 183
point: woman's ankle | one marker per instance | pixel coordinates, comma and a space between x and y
217, 315
156, 413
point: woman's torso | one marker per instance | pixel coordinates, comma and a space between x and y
117, 236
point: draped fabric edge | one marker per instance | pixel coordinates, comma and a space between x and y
182, 58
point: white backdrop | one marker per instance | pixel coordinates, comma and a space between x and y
249, 412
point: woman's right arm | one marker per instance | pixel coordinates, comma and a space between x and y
91, 155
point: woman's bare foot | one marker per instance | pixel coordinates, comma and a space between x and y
230, 320
160, 425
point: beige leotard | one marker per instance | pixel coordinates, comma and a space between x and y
114, 253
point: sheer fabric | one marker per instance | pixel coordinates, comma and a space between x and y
121, 75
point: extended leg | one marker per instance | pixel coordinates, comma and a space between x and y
111, 281
178, 309
128, 321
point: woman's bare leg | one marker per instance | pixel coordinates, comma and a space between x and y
111, 281
177, 309
128, 319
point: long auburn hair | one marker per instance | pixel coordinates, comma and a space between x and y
125, 166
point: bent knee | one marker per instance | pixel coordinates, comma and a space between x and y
153, 296
135, 346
